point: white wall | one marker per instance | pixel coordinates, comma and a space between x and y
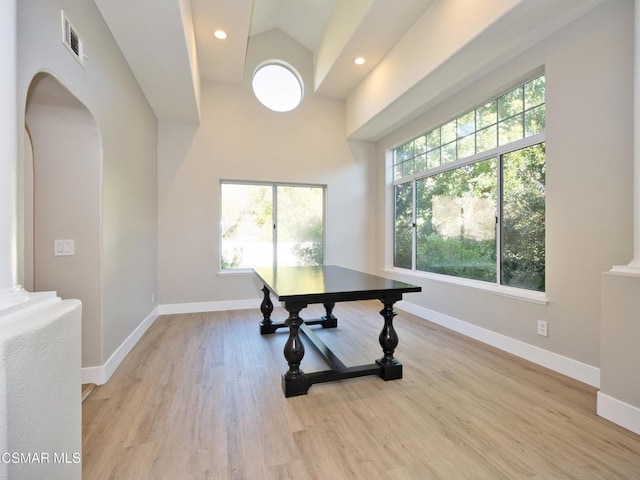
40, 373
239, 139
128, 130
619, 395
8, 153
25, 236
588, 67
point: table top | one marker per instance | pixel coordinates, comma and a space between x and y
328, 283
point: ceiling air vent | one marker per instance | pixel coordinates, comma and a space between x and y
71, 40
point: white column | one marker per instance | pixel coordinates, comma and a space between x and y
634, 265
10, 293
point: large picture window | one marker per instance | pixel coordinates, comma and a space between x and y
456, 212
271, 224
469, 196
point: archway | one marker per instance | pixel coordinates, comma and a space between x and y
65, 154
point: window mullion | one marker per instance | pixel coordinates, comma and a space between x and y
414, 247
274, 219
499, 217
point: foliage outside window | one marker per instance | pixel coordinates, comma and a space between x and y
271, 224
469, 195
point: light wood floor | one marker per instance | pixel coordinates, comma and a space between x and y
88, 389
199, 398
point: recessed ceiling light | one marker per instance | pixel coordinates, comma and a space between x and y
359, 60
220, 34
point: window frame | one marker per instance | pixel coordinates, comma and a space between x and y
268, 101
274, 186
497, 152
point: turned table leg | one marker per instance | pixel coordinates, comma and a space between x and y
294, 348
329, 320
294, 381
391, 367
266, 307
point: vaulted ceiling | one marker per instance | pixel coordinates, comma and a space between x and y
170, 46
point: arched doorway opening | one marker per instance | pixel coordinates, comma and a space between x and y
62, 204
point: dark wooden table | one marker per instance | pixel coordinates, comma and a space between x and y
297, 287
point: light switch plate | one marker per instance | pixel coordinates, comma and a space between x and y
64, 248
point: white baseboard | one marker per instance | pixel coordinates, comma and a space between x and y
198, 307
619, 412
558, 363
101, 374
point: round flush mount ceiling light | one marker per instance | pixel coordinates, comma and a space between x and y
220, 34
278, 86
359, 60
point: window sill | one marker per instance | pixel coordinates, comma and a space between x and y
234, 272
501, 290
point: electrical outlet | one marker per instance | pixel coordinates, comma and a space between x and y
153, 297
542, 328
